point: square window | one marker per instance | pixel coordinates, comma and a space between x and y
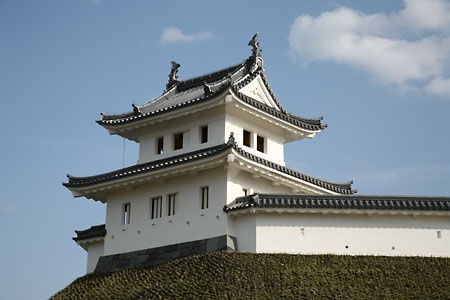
178, 141
156, 207
247, 137
160, 145
126, 213
171, 199
260, 143
204, 197
204, 134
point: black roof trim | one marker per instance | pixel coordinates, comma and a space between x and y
145, 167
111, 121
341, 188
74, 182
184, 85
340, 202
92, 232
208, 78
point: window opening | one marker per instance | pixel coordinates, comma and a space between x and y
178, 141
156, 211
246, 191
171, 199
438, 234
126, 213
247, 138
260, 141
204, 195
204, 134
160, 145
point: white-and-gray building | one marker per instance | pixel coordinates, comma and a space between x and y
211, 176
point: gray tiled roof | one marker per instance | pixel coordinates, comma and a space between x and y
192, 91
92, 232
340, 202
74, 182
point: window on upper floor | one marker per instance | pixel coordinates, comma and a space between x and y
247, 138
260, 144
177, 140
204, 197
160, 145
204, 134
171, 200
156, 207
126, 213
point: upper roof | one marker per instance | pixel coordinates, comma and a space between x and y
180, 94
77, 184
339, 202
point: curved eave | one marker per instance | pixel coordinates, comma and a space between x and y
281, 175
98, 187
294, 128
125, 127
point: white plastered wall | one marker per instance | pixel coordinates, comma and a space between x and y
94, 251
190, 126
274, 148
350, 234
189, 223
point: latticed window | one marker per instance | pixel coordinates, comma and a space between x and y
260, 144
126, 207
247, 138
159, 145
204, 134
171, 200
156, 207
204, 197
178, 141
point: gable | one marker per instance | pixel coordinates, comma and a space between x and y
257, 90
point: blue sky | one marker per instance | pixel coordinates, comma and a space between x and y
378, 71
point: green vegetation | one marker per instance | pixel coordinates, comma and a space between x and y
225, 275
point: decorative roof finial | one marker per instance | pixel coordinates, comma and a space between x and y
231, 139
255, 60
256, 51
173, 77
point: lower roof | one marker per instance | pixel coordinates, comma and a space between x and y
339, 202
97, 231
75, 183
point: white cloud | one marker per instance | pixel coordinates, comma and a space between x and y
174, 34
409, 49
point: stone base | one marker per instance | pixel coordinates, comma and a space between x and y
155, 256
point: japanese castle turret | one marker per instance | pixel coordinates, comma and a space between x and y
211, 176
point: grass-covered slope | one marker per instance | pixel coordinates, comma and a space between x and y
224, 275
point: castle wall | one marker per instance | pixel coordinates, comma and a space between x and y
351, 234
94, 251
189, 223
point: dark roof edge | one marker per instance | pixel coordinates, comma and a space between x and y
360, 202
142, 168
96, 231
342, 188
